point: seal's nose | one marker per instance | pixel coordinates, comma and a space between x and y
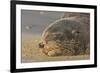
41, 45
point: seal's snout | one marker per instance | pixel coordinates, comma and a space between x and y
41, 45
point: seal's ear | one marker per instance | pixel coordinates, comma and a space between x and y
41, 45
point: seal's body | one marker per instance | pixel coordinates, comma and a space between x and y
66, 36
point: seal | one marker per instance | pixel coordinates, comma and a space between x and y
65, 36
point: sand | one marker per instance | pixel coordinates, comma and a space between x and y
30, 52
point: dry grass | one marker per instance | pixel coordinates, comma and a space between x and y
31, 52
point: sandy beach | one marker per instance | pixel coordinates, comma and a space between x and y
30, 52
